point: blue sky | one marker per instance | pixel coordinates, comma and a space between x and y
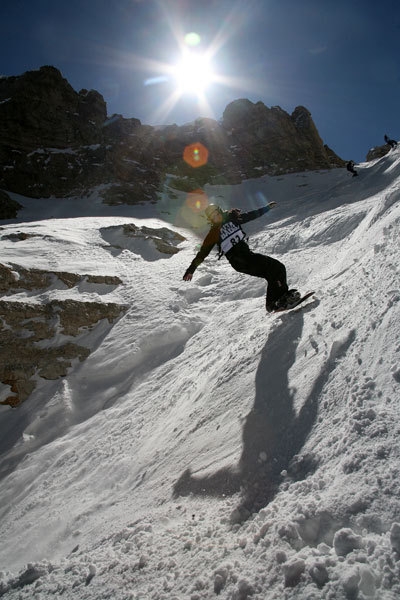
340, 59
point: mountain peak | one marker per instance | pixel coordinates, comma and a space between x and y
55, 141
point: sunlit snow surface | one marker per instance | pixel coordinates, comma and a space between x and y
205, 447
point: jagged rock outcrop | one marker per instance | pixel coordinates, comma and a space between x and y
15, 277
43, 318
58, 142
149, 242
41, 108
35, 336
272, 141
378, 152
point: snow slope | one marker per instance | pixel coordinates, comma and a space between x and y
206, 448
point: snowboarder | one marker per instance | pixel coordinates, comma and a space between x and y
350, 167
227, 233
392, 143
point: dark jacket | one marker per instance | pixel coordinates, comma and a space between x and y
231, 240
350, 167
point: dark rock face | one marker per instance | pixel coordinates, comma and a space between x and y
271, 141
378, 152
58, 142
41, 109
24, 325
8, 207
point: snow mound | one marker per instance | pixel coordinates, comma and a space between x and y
212, 449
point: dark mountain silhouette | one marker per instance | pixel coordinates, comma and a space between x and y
55, 141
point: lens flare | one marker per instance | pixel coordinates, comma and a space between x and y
192, 39
197, 200
195, 155
191, 211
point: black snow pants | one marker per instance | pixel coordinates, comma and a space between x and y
242, 259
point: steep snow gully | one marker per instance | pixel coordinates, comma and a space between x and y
205, 448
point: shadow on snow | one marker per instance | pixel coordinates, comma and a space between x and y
273, 434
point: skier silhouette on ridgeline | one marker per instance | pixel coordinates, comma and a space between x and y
392, 143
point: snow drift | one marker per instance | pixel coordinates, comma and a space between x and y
206, 448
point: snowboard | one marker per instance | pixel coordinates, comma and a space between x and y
300, 301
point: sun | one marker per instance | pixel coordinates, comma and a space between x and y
193, 73
190, 76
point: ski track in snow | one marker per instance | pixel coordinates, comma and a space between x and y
204, 447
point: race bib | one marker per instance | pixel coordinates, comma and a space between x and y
230, 235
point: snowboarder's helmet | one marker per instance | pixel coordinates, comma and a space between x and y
211, 209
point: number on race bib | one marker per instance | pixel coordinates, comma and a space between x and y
230, 234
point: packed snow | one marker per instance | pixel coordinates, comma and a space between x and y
206, 448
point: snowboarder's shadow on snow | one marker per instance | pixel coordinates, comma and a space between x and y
273, 434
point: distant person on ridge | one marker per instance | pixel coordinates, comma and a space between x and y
227, 233
350, 168
392, 143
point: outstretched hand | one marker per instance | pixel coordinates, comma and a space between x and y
187, 277
271, 204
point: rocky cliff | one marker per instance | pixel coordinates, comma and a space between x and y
51, 319
378, 152
55, 141
35, 337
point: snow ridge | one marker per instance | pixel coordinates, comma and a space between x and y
212, 449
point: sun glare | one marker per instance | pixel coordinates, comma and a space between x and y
193, 73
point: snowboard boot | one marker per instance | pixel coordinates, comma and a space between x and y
286, 301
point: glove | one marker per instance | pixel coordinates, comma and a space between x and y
271, 204
187, 276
